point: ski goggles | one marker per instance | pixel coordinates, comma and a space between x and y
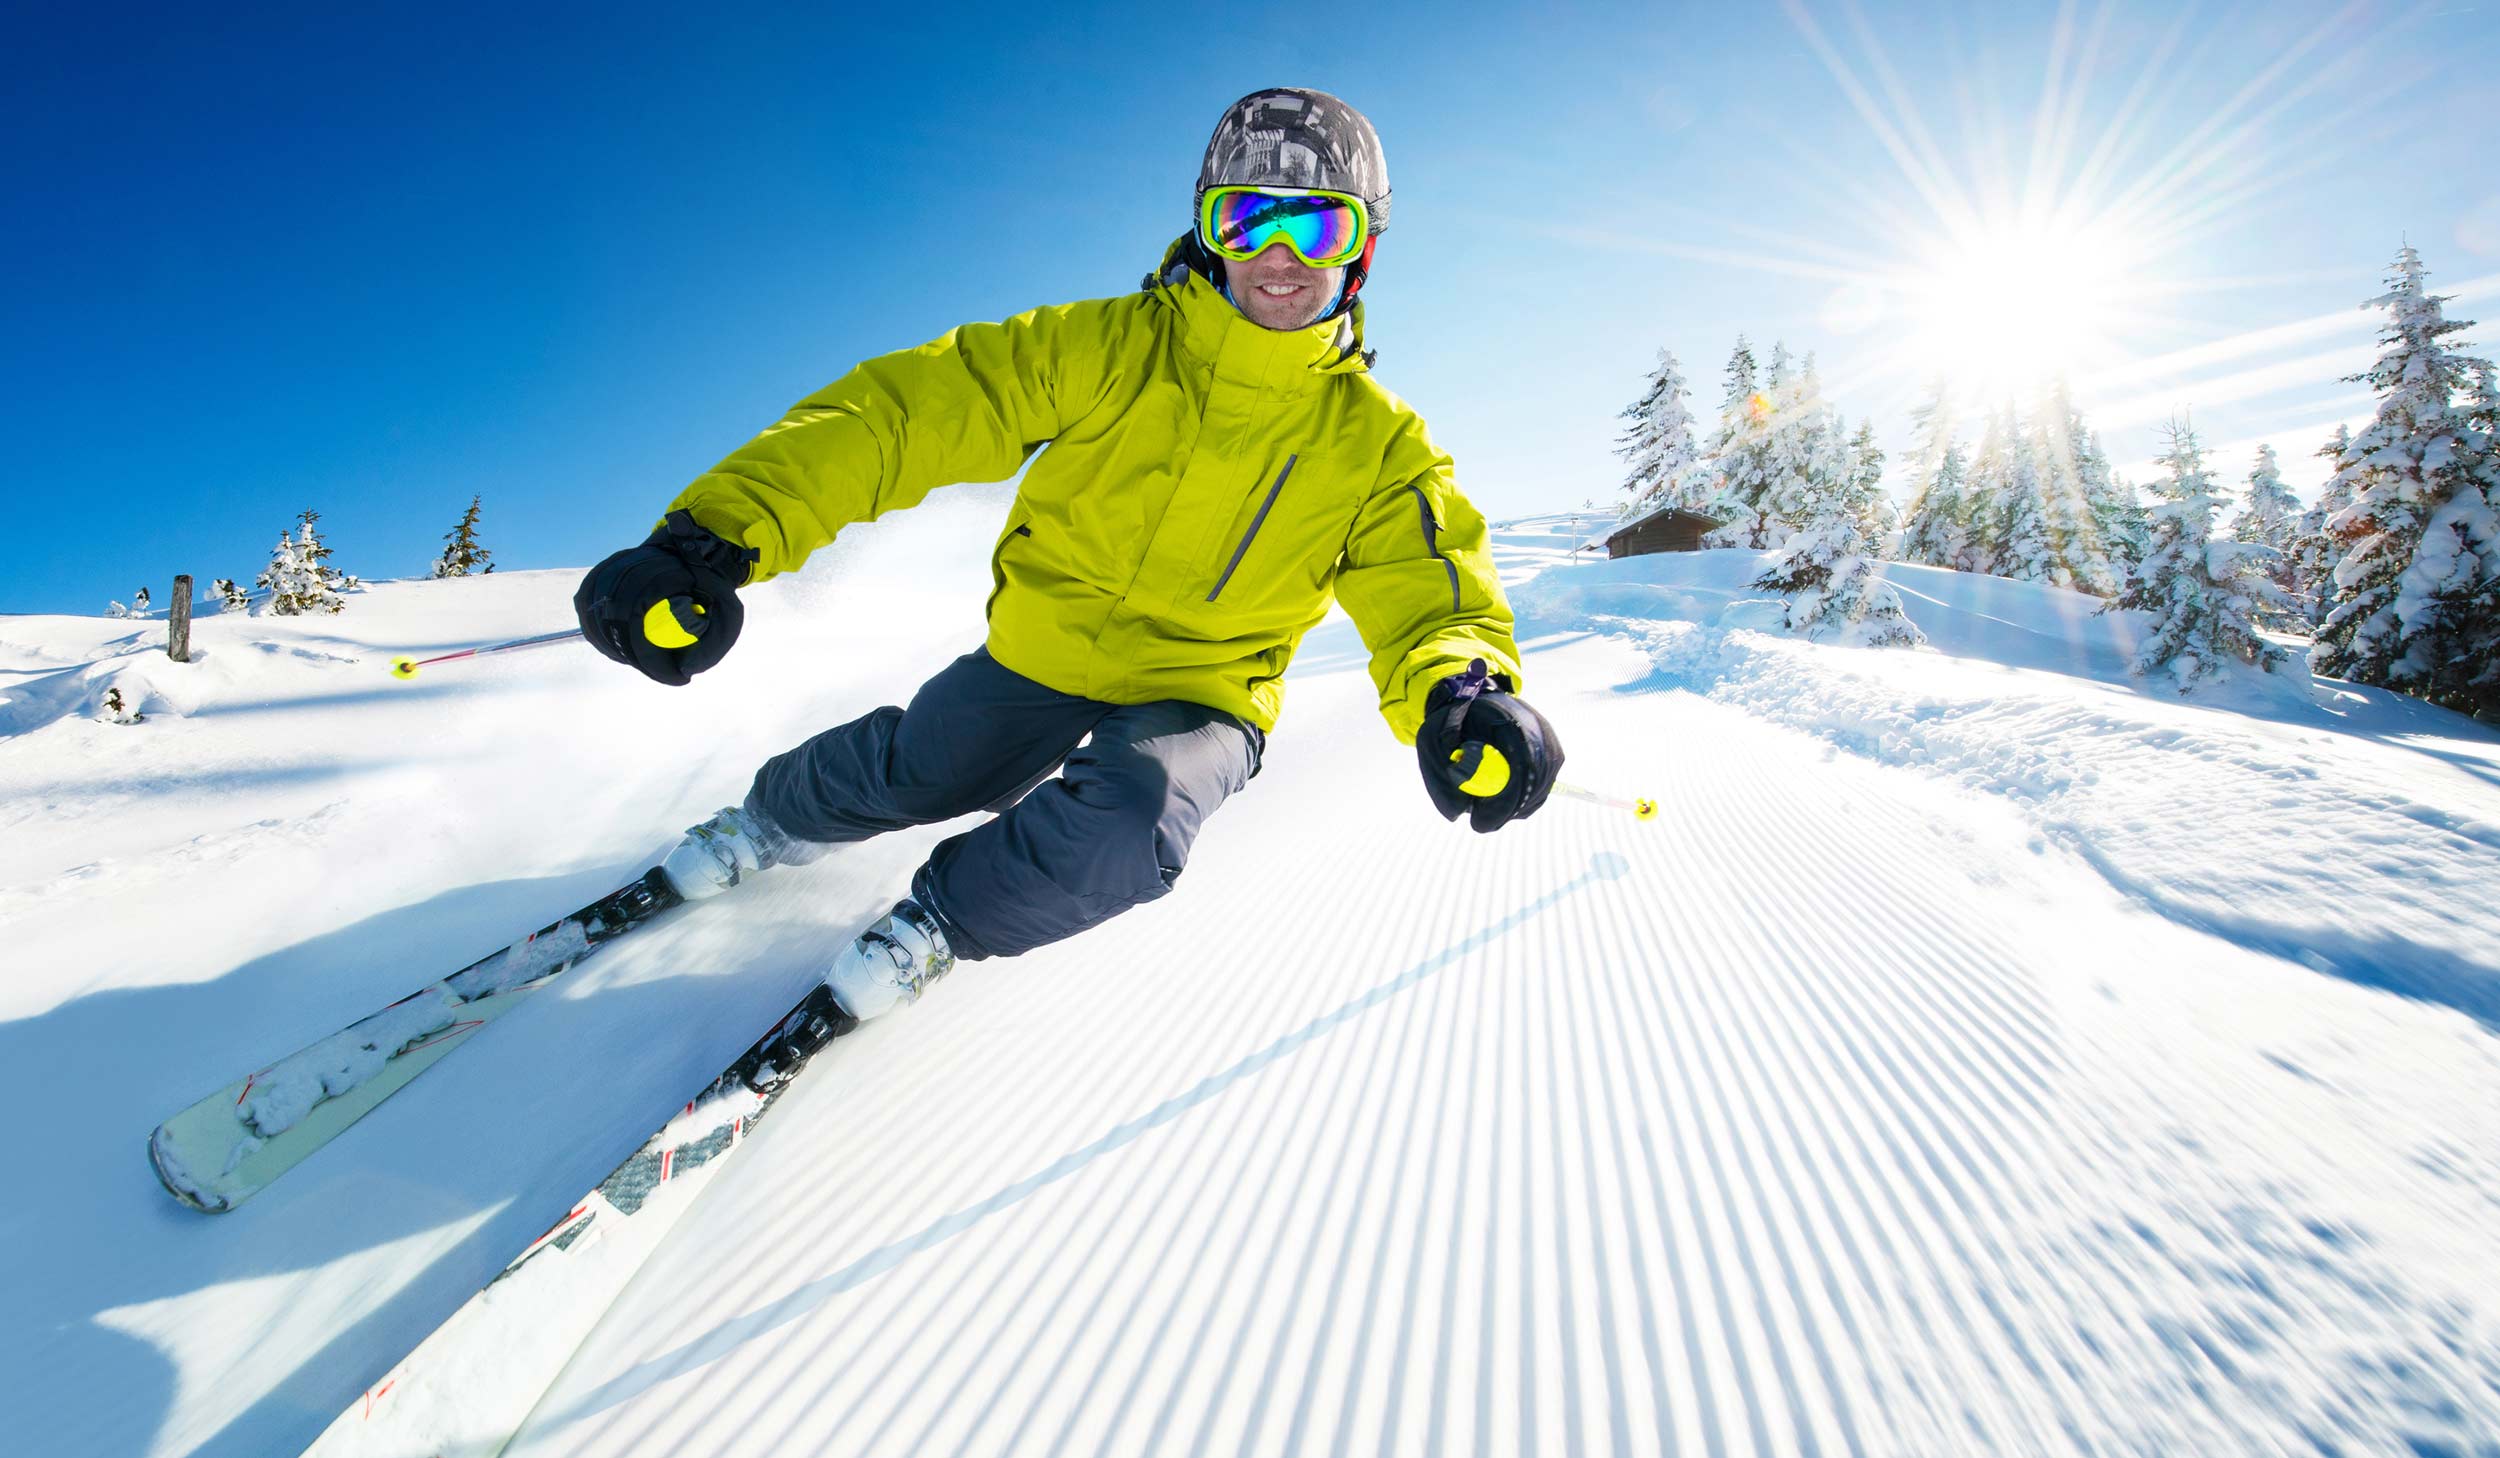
1324, 229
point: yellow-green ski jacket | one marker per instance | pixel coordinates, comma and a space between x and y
1208, 484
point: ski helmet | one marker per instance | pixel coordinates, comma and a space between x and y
1289, 136
1286, 136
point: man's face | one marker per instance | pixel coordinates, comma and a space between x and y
1279, 291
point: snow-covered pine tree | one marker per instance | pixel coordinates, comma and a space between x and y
462, 556
2072, 474
2026, 550
1984, 496
140, 602
2119, 518
1938, 530
1805, 455
1866, 487
1739, 464
1931, 442
2418, 591
2269, 517
1827, 573
230, 598
2204, 594
2268, 508
299, 576
2315, 550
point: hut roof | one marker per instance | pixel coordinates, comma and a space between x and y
1661, 513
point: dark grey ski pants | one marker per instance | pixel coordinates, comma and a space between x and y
1112, 830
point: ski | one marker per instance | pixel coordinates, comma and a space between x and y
230, 1145
471, 1383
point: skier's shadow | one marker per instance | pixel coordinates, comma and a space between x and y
84, 1263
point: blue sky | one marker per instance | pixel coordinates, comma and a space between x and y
373, 262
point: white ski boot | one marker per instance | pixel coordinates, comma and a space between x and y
891, 962
721, 852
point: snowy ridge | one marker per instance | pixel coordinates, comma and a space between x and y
1893, 1092
2177, 802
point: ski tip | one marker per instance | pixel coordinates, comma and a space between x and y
177, 1181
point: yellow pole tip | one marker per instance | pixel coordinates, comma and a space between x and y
403, 668
1645, 809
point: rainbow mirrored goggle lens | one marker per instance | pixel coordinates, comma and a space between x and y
1323, 229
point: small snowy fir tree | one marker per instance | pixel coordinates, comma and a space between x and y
2268, 509
120, 708
1804, 458
299, 576
140, 602
2269, 516
2073, 476
1984, 494
2204, 595
2418, 592
1739, 463
2315, 551
230, 598
1935, 529
1935, 502
2026, 550
1658, 442
1828, 576
117, 609
462, 556
1866, 486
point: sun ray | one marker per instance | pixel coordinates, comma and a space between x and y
2253, 383
1934, 183
2179, 168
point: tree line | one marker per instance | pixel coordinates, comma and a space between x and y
299, 578
2394, 573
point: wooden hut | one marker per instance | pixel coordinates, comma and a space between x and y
1665, 529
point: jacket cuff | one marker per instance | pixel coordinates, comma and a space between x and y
700, 546
1446, 661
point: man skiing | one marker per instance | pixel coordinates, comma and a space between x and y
1215, 463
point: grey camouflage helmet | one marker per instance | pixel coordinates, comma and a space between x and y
1286, 136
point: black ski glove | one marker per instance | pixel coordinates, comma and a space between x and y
1475, 708
670, 606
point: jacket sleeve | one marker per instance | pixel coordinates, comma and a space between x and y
1418, 581
970, 406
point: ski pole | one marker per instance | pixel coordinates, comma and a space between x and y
404, 667
1643, 808
1490, 772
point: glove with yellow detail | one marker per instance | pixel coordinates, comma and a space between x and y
1485, 753
670, 606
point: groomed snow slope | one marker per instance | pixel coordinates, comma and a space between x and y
1978, 1055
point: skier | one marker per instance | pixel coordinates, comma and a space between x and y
1215, 462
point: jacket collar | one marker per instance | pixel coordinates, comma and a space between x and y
1214, 329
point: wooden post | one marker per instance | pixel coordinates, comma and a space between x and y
178, 622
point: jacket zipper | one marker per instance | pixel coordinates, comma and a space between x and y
1255, 523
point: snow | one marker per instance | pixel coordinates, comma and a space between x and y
286, 1091
1981, 1052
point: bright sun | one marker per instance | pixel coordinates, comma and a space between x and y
1998, 312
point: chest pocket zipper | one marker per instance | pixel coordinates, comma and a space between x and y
1255, 523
